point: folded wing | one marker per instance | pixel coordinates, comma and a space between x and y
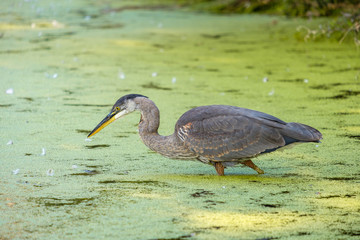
227, 133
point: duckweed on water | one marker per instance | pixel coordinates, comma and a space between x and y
119, 187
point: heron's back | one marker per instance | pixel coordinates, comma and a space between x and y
224, 133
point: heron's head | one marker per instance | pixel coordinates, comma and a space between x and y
123, 106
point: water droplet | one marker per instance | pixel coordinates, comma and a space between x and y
88, 139
55, 75
173, 80
154, 74
16, 171
74, 166
10, 142
265, 79
306, 80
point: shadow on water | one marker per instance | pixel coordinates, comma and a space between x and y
235, 178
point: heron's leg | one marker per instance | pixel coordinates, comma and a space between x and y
252, 165
219, 168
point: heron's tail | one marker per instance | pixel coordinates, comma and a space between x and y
301, 132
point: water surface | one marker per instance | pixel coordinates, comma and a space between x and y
67, 62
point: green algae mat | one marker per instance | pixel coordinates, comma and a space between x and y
63, 64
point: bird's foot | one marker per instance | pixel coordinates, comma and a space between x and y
252, 165
219, 168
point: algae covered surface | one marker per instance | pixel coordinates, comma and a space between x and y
64, 63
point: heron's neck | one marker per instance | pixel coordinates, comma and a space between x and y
148, 130
149, 125
150, 118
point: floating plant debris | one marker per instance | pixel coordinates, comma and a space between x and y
86, 105
344, 94
50, 172
201, 193
98, 146
83, 131
141, 182
58, 202
154, 86
9, 91
28, 99
43, 152
5, 105
86, 172
270, 205
272, 92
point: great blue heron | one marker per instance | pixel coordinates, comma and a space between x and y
219, 135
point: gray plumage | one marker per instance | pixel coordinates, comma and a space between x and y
219, 135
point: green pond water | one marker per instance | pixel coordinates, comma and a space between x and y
64, 63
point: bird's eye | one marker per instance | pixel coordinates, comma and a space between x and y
117, 109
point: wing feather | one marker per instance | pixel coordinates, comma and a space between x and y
227, 133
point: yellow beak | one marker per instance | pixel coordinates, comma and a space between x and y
106, 121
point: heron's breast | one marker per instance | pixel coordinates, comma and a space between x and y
183, 131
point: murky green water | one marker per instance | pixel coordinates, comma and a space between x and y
68, 61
